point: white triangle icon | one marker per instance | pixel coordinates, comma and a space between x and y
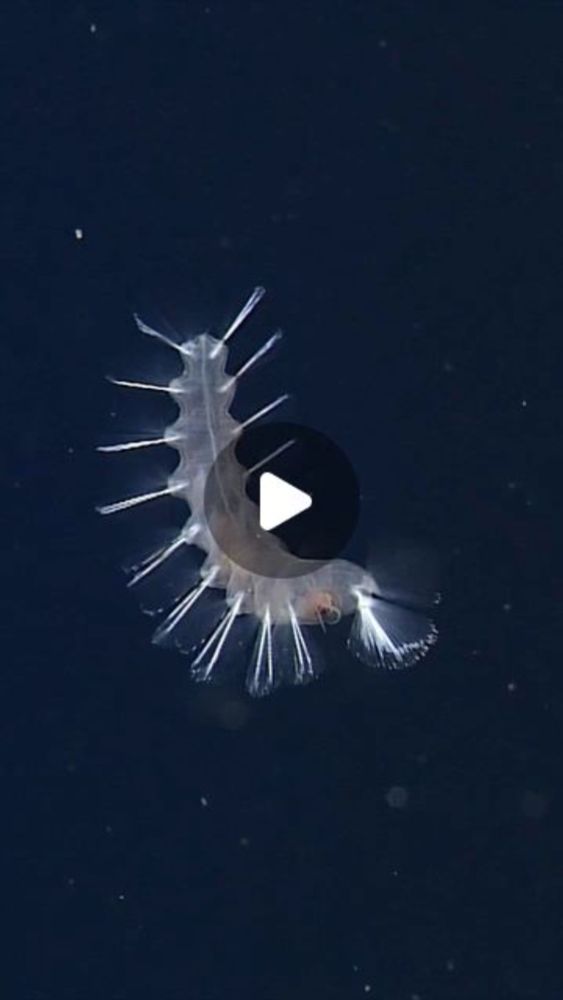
280, 501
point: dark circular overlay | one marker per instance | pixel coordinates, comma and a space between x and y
306, 459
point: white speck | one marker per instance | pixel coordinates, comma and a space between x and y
511, 687
507, 606
79, 234
450, 965
93, 28
524, 402
204, 802
121, 897
367, 988
397, 797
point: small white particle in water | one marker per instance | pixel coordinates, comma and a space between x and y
367, 988
507, 606
397, 797
524, 402
79, 233
511, 686
93, 28
204, 801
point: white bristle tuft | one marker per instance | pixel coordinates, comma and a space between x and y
132, 445
128, 384
114, 508
262, 413
247, 308
205, 661
252, 360
182, 609
144, 328
388, 635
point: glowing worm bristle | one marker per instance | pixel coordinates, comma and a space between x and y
202, 671
156, 560
260, 677
270, 457
303, 661
252, 360
387, 635
262, 413
144, 328
247, 308
127, 384
181, 609
114, 508
132, 445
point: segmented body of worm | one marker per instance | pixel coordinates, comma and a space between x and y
220, 614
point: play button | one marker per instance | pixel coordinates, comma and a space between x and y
280, 501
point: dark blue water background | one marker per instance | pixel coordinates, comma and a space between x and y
393, 175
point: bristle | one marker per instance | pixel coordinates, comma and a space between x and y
387, 635
114, 508
159, 336
202, 670
262, 413
270, 457
181, 609
252, 360
281, 655
260, 678
247, 308
127, 384
156, 560
303, 662
132, 445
